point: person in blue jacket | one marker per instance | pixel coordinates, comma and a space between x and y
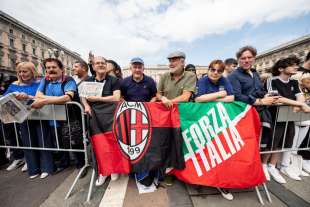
215, 87
24, 89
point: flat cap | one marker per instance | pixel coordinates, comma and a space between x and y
176, 54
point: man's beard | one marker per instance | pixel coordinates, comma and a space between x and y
177, 70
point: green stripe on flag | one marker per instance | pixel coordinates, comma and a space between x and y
206, 120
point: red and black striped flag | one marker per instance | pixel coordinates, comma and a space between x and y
135, 137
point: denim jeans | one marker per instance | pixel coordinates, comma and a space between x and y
35, 134
9, 135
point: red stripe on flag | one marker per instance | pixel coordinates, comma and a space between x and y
108, 154
163, 117
139, 126
123, 128
127, 120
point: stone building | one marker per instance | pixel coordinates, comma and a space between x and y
157, 70
299, 47
19, 42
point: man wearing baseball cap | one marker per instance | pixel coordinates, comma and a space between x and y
138, 87
177, 85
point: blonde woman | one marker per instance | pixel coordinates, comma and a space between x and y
24, 89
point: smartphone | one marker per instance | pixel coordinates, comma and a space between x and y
273, 93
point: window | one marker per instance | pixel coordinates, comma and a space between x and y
33, 41
24, 59
34, 51
11, 62
24, 47
23, 36
11, 31
301, 53
42, 53
11, 43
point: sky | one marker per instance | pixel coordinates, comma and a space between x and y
204, 29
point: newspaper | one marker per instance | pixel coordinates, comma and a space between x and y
12, 110
90, 89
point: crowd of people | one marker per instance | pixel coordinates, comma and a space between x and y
225, 81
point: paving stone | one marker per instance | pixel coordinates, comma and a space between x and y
244, 199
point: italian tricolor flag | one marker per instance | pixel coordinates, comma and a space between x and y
220, 145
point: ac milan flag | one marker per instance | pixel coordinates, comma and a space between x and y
135, 137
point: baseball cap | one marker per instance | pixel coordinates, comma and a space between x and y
137, 60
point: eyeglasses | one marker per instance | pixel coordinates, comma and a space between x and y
218, 71
100, 63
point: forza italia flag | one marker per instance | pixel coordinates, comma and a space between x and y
220, 145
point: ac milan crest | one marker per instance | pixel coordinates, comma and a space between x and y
132, 129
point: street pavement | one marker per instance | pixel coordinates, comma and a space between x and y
17, 190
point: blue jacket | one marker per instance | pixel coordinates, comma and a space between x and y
246, 88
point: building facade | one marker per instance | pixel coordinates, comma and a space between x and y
299, 47
19, 42
156, 71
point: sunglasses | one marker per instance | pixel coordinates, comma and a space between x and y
215, 70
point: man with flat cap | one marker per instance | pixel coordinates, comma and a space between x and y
177, 85
174, 86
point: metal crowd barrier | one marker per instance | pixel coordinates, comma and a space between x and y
54, 114
285, 116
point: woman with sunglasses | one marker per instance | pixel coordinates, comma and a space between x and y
215, 87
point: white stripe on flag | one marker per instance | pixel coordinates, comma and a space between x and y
144, 133
144, 120
133, 116
132, 137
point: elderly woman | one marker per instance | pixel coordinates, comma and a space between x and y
24, 89
215, 87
